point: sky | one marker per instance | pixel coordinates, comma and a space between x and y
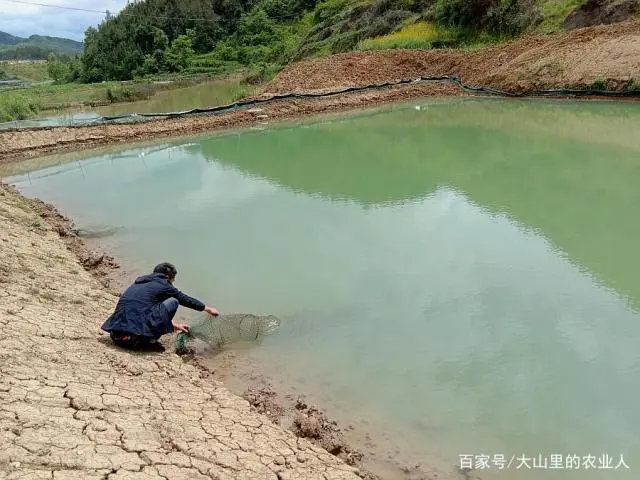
25, 20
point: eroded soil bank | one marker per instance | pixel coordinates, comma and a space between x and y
74, 407
604, 56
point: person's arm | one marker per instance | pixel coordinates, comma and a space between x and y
190, 302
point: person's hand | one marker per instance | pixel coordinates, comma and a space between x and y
183, 327
212, 311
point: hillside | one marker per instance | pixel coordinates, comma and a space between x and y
8, 39
604, 56
197, 36
36, 47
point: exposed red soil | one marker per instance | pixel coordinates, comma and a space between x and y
576, 58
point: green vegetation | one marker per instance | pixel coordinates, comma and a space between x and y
417, 35
36, 47
24, 103
555, 12
156, 37
28, 70
16, 107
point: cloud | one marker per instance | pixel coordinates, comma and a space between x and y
24, 20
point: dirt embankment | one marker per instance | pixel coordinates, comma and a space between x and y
579, 58
72, 406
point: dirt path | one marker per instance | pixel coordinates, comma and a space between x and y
606, 55
74, 407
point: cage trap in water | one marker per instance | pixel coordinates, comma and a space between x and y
227, 329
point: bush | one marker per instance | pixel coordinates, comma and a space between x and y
57, 69
327, 10
129, 93
180, 54
512, 17
501, 17
461, 13
417, 35
241, 93
261, 73
346, 41
340, 25
386, 23
16, 107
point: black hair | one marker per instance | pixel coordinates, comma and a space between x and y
167, 269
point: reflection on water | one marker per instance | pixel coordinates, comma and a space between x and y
462, 276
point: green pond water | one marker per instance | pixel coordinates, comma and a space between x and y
457, 277
206, 94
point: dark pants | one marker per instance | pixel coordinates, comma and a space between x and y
140, 342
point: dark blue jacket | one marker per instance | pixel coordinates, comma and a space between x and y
140, 310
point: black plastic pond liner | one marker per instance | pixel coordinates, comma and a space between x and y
560, 92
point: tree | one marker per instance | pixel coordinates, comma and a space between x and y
180, 52
57, 70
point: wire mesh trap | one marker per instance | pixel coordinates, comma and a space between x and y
227, 329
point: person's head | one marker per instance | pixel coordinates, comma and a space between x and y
166, 269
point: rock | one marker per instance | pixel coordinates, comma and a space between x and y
601, 12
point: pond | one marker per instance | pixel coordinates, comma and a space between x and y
460, 277
211, 93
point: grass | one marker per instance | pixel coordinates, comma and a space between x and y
634, 85
27, 102
29, 70
555, 12
14, 106
423, 35
20, 104
240, 92
52, 97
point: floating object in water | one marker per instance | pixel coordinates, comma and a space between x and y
227, 329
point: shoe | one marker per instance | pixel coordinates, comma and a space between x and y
155, 347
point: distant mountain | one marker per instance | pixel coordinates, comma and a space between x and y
36, 47
8, 39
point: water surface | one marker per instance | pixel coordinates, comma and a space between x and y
459, 277
204, 94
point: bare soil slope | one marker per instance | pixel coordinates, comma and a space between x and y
577, 58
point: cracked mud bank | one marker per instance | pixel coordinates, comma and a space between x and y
74, 407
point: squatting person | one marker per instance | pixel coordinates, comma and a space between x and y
146, 309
